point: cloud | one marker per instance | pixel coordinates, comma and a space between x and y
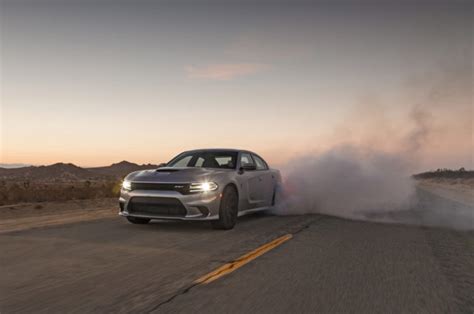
224, 71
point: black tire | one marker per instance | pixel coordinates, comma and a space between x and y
138, 220
274, 196
228, 210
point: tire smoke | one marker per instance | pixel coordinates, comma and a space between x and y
364, 178
346, 181
364, 184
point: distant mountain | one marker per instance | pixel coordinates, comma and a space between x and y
14, 165
62, 172
55, 172
121, 169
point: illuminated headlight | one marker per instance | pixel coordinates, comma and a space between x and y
127, 185
203, 187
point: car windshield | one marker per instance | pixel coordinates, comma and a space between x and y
205, 159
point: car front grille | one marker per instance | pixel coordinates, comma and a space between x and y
182, 188
159, 206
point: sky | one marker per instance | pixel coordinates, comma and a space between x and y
97, 82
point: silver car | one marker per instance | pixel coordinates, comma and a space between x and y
207, 184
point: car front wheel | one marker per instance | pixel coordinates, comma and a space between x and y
227, 210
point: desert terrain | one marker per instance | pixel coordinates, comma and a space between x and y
62, 182
32, 197
78, 255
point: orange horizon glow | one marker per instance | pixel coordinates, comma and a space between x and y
81, 86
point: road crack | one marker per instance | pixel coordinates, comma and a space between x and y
293, 230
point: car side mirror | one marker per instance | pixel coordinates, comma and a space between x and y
247, 167
162, 165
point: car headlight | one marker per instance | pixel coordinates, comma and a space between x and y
127, 185
203, 187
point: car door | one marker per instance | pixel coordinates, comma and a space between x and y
251, 183
266, 179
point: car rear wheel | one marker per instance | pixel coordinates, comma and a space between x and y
227, 210
138, 220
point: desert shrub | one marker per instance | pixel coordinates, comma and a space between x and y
17, 192
462, 173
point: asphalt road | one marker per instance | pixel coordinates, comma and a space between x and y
330, 265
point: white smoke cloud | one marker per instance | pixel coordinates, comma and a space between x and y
361, 180
346, 181
365, 184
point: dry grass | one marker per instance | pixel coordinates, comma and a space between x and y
32, 192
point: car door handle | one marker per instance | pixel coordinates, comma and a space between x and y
260, 179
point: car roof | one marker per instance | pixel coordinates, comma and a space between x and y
235, 150
219, 150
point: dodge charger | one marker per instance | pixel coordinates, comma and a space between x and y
217, 185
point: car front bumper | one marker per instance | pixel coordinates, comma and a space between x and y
170, 205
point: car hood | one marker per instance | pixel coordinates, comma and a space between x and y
174, 175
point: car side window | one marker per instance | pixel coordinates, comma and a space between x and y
225, 161
199, 162
246, 160
261, 165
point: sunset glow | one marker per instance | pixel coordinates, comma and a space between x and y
79, 85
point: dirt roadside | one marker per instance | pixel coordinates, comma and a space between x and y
35, 215
461, 191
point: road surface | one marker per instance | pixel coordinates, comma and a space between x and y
330, 265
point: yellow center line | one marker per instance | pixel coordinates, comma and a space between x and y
241, 261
